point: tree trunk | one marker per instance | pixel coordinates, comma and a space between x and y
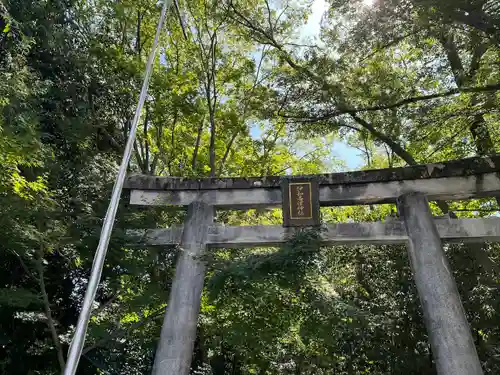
212, 144
478, 126
197, 146
481, 136
48, 311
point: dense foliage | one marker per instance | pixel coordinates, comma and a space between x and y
239, 88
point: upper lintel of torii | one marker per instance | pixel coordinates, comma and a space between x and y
454, 168
451, 180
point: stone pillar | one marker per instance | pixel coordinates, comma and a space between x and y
449, 333
178, 333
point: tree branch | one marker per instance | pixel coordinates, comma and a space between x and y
391, 43
212, 104
416, 99
181, 22
269, 17
104, 305
453, 58
301, 158
124, 332
137, 154
336, 93
197, 144
396, 148
160, 153
145, 168
48, 312
480, 49
477, 210
24, 266
228, 149
478, 20
172, 141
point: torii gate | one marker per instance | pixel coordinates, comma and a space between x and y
410, 187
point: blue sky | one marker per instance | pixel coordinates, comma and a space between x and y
339, 149
312, 28
350, 155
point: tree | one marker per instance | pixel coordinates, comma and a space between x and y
233, 93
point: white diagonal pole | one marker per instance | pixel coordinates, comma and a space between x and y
76, 346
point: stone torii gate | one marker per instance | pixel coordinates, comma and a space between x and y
410, 187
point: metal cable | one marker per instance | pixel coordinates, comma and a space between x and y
76, 346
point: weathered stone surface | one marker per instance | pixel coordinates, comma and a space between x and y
455, 168
444, 316
446, 188
390, 232
178, 333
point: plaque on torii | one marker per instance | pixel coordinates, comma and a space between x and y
300, 203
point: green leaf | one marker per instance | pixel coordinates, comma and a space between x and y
17, 297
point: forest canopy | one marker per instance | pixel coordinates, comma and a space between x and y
239, 88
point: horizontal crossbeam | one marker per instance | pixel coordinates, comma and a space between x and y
445, 188
453, 168
389, 232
